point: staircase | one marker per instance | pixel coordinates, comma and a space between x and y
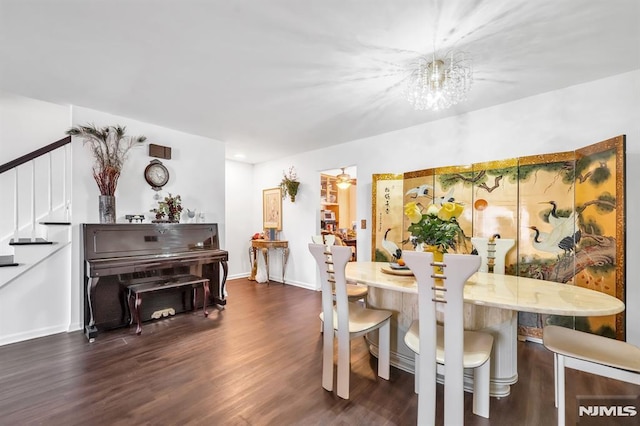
35, 226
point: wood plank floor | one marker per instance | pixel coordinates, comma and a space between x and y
257, 362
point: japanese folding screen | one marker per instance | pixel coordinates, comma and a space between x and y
565, 210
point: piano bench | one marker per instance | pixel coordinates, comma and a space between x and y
134, 292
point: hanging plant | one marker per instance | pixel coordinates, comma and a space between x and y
290, 184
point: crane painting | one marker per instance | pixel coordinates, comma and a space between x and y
566, 212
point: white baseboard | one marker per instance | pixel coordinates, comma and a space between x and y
32, 334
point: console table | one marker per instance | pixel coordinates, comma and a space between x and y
264, 246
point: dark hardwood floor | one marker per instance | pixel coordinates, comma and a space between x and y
257, 362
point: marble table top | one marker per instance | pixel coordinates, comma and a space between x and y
500, 291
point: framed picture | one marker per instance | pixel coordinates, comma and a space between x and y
272, 208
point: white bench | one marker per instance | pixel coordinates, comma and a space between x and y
590, 353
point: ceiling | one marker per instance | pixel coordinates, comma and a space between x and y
274, 78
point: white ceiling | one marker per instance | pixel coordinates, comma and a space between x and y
273, 78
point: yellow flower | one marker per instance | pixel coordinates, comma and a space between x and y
412, 210
433, 210
438, 227
450, 210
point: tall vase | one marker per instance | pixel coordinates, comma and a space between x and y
107, 208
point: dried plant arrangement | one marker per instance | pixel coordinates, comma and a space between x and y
109, 145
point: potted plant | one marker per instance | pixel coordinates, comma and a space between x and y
109, 146
171, 207
290, 184
436, 227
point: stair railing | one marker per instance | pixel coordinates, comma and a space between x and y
30, 158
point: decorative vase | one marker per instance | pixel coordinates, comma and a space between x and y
292, 189
438, 256
107, 208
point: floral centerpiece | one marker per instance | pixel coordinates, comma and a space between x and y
171, 207
290, 184
437, 226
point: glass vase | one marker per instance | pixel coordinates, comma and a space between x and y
107, 208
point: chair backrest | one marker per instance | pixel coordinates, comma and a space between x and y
326, 239
457, 268
493, 252
332, 261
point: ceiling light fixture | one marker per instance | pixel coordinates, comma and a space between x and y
439, 83
343, 180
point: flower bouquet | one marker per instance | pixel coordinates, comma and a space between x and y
437, 226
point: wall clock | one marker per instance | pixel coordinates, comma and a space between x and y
156, 175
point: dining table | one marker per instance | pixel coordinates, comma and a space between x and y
492, 302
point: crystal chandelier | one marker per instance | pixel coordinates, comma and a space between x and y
439, 83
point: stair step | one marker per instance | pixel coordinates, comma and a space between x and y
55, 223
7, 260
29, 241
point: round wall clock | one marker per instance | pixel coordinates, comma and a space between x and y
156, 175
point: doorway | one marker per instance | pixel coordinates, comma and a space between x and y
338, 196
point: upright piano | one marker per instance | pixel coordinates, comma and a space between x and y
116, 254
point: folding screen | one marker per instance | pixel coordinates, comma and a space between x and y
565, 211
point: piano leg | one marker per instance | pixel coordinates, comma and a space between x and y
90, 330
130, 298
205, 287
221, 297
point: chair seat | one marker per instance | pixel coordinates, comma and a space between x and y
592, 348
361, 319
355, 291
477, 345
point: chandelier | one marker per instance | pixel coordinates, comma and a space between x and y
439, 83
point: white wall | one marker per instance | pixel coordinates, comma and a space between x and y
239, 214
552, 122
28, 124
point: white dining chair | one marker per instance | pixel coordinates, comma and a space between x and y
589, 353
493, 252
346, 320
449, 344
326, 239
355, 292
